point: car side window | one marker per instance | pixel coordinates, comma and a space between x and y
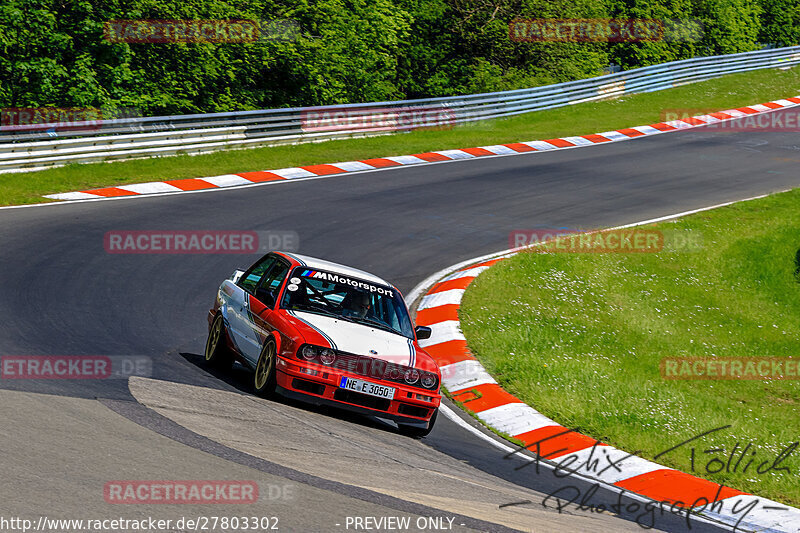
250, 279
267, 290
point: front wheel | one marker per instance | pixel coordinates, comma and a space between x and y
417, 432
217, 353
264, 381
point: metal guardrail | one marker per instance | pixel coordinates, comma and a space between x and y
46, 145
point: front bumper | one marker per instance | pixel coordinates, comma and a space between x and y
295, 381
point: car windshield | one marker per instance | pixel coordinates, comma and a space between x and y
351, 299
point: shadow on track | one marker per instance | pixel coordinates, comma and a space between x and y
240, 378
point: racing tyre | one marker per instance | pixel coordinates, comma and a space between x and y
264, 377
217, 352
417, 432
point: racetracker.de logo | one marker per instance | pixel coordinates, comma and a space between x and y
181, 492
603, 30
181, 31
575, 241
585, 30
760, 368
199, 242
33, 118
376, 118
74, 366
630, 240
748, 120
37, 119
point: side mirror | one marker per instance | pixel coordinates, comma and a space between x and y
423, 332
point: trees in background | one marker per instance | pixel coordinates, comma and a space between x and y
54, 53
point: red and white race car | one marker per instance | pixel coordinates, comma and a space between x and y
325, 333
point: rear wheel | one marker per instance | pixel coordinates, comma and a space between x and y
417, 432
264, 381
217, 352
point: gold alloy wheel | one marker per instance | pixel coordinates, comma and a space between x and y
212, 344
265, 364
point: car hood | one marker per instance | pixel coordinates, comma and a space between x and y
362, 340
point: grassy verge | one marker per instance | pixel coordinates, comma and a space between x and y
723, 93
581, 336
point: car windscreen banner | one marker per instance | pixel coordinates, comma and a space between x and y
343, 280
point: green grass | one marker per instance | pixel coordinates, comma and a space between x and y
722, 93
580, 336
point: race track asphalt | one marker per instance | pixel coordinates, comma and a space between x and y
64, 295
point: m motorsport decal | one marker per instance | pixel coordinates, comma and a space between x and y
338, 278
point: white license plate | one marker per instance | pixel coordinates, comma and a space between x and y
365, 387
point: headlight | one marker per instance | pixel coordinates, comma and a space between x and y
308, 352
411, 376
428, 380
327, 356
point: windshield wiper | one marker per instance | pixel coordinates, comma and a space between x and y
377, 324
314, 308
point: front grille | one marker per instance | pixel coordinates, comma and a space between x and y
413, 410
308, 386
372, 367
364, 400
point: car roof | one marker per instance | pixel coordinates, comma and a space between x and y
321, 264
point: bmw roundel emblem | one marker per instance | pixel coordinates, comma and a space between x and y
373, 352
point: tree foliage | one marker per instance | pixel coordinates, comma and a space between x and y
54, 53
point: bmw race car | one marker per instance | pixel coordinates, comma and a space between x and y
328, 334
